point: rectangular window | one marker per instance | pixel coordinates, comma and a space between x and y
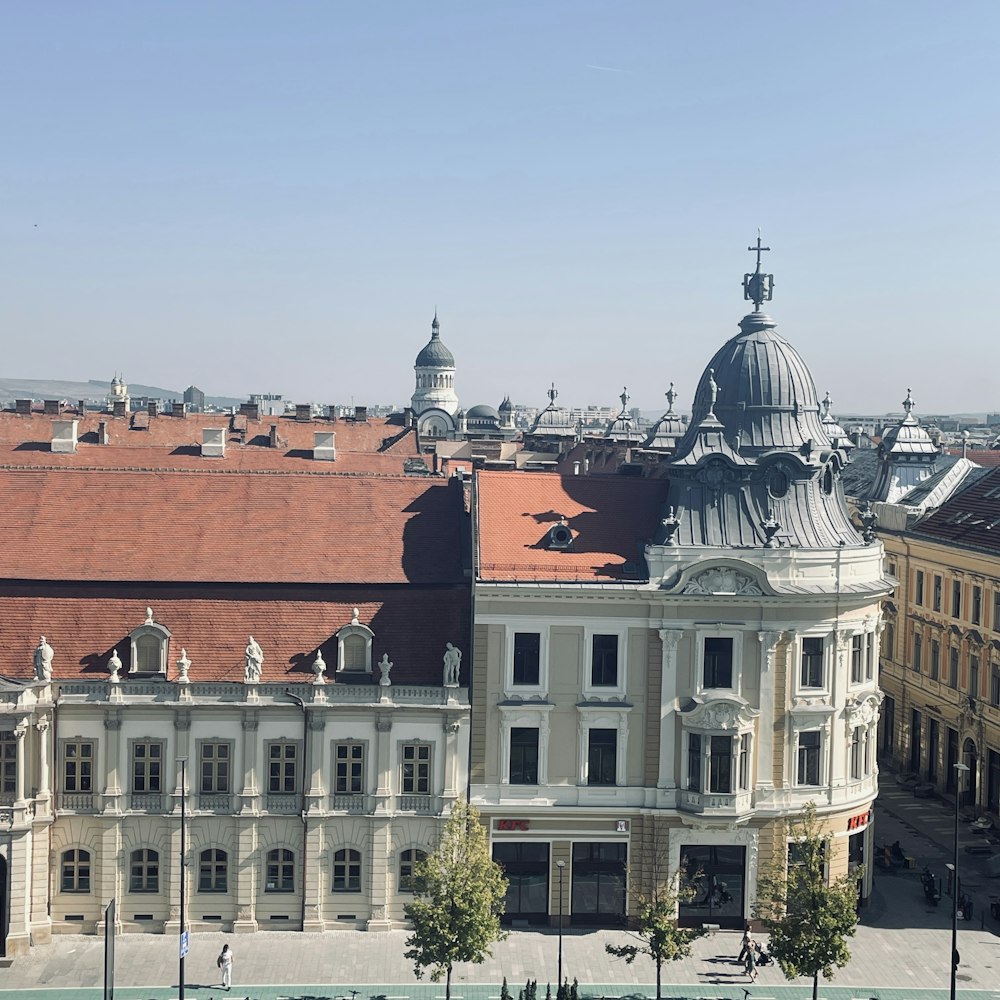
811, 674
857, 737
78, 766
144, 871
890, 641
956, 599
857, 657
933, 748
995, 686
870, 646
938, 586
694, 762
8, 763
973, 675
280, 871
745, 761
215, 760
718, 663
602, 754
977, 605
919, 588
915, 723
996, 610
887, 724
720, 761
935, 659
416, 769
348, 768
523, 756
953, 667
918, 647
604, 661
281, 761
808, 758
147, 757
527, 650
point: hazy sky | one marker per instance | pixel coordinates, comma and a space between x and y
274, 196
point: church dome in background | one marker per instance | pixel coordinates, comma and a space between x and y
435, 354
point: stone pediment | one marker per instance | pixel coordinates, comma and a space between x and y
720, 581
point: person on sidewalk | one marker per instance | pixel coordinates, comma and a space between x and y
226, 964
746, 944
751, 963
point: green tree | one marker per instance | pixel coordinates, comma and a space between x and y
460, 892
809, 918
655, 917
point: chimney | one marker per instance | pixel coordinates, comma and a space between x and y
273, 436
102, 432
213, 442
360, 412
178, 409
64, 436
118, 408
151, 408
323, 446
52, 407
81, 406
23, 407
332, 412
250, 410
303, 412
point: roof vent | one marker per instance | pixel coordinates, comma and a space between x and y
178, 409
23, 407
52, 407
560, 537
213, 442
152, 408
323, 446
360, 412
64, 436
250, 410
119, 408
303, 412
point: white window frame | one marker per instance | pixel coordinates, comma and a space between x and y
590, 690
523, 717
157, 632
829, 651
603, 717
821, 767
539, 690
355, 628
719, 633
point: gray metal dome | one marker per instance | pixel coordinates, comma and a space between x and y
760, 389
482, 411
435, 354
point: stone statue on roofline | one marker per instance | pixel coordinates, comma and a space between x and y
254, 662
183, 665
384, 668
43, 660
452, 664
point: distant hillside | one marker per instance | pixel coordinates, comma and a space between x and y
93, 391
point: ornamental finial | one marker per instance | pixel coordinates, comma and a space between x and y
908, 402
758, 287
552, 393
671, 395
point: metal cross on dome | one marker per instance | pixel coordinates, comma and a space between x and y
758, 287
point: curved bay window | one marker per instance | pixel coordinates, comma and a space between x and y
599, 883
718, 758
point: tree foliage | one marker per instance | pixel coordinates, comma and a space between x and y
460, 893
655, 919
809, 920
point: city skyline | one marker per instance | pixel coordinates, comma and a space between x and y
202, 194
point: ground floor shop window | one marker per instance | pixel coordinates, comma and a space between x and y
599, 883
718, 874
993, 781
526, 866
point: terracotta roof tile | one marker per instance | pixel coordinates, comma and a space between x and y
610, 518
411, 624
65, 524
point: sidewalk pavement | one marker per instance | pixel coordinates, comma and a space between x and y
901, 949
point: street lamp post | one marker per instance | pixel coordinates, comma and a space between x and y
181, 941
959, 768
560, 865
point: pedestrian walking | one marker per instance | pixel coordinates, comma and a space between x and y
751, 964
225, 963
746, 944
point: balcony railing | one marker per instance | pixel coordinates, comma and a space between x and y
216, 802
81, 802
357, 803
283, 803
425, 804
720, 803
146, 802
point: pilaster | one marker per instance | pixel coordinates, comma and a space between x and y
765, 725
669, 641
381, 855
243, 875
250, 793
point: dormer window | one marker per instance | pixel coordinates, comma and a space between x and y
150, 647
354, 647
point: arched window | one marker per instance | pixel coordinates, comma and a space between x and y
407, 859
346, 871
280, 871
354, 653
213, 871
144, 871
147, 652
354, 647
75, 871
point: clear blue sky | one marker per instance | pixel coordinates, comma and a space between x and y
274, 196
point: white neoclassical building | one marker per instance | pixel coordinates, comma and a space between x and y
667, 668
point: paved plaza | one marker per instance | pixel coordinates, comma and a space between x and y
900, 951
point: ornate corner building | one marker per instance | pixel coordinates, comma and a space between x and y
667, 668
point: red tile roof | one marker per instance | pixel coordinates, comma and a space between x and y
610, 517
218, 526
83, 626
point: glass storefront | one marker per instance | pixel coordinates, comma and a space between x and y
526, 866
718, 873
599, 883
